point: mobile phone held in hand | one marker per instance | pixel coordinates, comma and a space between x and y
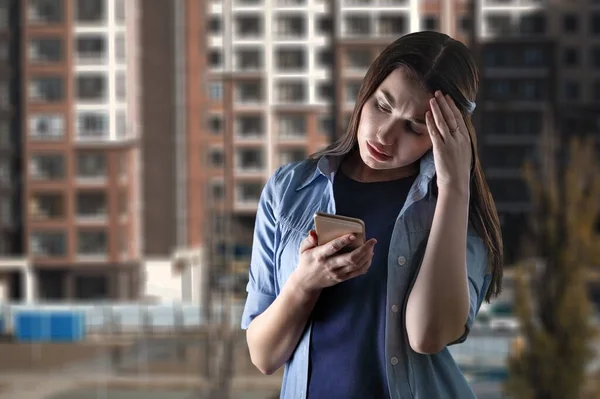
329, 227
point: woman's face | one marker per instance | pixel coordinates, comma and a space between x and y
392, 132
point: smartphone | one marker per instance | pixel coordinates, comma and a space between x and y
329, 227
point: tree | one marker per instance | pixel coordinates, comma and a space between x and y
551, 296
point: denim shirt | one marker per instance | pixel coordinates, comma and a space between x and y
284, 218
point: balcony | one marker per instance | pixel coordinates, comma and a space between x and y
46, 127
49, 89
91, 49
248, 60
249, 128
92, 206
48, 243
47, 167
291, 92
291, 59
357, 25
392, 25
291, 155
358, 59
292, 127
47, 206
91, 88
92, 245
249, 93
93, 126
45, 11
91, 167
90, 12
291, 27
250, 161
248, 27
247, 196
45, 50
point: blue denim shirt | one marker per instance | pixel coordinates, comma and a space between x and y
287, 205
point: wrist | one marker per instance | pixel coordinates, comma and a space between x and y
300, 289
460, 189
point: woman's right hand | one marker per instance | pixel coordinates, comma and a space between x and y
321, 266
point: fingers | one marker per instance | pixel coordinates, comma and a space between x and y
457, 115
309, 242
362, 269
434, 133
440, 120
354, 258
334, 246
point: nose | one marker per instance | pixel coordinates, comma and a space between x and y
389, 132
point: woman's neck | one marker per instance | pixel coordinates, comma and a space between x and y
354, 167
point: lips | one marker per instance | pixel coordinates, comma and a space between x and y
377, 152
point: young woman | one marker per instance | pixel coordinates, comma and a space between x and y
376, 322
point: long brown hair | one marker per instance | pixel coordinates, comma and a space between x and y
437, 62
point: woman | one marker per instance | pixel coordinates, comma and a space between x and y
375, 322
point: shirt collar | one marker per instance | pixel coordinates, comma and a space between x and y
327, 166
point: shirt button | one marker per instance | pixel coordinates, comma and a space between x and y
401, 260
394, 361
395, 308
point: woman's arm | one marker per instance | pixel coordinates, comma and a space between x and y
274, 334
438, 305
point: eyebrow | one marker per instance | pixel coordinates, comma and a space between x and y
392, 102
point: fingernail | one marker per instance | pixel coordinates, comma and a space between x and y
351, 238
438, 93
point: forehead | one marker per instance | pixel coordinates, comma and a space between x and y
405, 89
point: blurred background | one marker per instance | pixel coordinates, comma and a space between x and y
136, 137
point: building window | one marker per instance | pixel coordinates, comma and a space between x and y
595, 56
91, 49
324, 25
4, 95
48, 243
215, 91
90, 11
391, 25
287, 156
465, 24
120, 11
45, 50
47, 167
325, 124
351, 91
249, 92
250, 160
91, 87
533, 57
571, 90
46, 126
596, 91
290, 58
430, 23
3, 50
291, 92
292, 126
92, 243
358, 58
215, 124
324, 91
595, 23
216, 157
6, 212
248, 26
5, 171
5, 140
290, 26
45, 11
215, 58
46, 206
92, 204
571, 57
46, 89
120, 50
358, 25
248, 59
121, 85
121, 124
533, 24
570, 23
249, 126
325, 57
218, 190
91, 165
93, 125
214, 25
248, 193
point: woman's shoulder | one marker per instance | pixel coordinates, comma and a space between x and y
292, 175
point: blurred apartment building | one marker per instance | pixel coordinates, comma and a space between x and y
70, 129
541, 77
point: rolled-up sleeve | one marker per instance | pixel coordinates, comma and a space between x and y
261, 284
479, 279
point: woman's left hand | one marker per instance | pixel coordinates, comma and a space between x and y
451, 144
